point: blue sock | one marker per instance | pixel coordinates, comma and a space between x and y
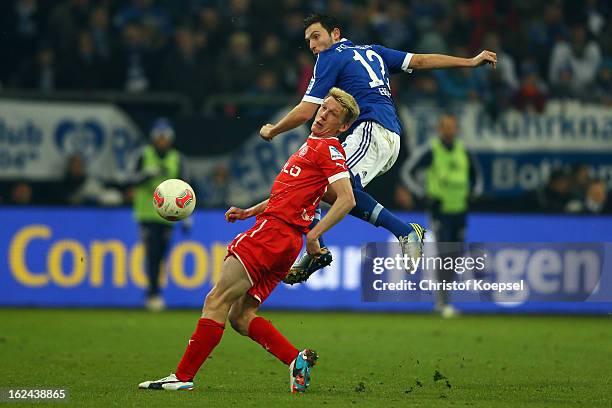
370, 210
315, 221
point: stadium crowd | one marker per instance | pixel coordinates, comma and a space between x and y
204, 47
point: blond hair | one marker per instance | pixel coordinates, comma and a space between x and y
348, 103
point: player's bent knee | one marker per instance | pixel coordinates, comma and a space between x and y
214, 301
239, 322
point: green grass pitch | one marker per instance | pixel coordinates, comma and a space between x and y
365, 360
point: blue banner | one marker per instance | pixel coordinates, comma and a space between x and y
92, 257
519, 150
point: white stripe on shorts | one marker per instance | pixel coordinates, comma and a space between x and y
363, 146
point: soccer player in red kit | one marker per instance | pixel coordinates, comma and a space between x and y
258, 259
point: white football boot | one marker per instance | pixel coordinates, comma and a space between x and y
169, 383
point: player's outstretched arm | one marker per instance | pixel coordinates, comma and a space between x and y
299, 115
235, 213
345, 201
432, 61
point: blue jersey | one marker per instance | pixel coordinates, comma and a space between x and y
363, 71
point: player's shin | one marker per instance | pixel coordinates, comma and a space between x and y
264, 333
204, 339
368, 209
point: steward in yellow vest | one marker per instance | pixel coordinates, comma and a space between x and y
158, 162
450, 176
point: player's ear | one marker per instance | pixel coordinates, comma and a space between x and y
344, 127
335, 34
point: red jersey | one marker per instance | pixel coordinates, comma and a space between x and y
299, 186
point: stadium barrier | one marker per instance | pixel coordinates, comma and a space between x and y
92, 258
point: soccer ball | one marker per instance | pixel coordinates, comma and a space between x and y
174, 200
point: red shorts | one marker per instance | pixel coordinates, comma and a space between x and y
267, 252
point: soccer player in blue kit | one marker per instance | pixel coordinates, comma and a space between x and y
373, 142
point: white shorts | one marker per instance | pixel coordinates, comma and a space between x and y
371, 150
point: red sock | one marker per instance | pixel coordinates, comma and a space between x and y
204, 339
262, 331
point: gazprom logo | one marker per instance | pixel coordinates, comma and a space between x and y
84, 137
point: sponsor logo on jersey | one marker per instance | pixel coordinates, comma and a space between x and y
335, 153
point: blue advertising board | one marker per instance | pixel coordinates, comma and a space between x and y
92, 257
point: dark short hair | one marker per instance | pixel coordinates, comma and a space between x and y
328, 22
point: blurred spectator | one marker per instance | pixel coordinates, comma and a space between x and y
265, 86
136, 63
360, 30
423, 90
403, 198
581, 178
216, 191
84, 70
597, 200
272, 59
238, 15
102, 36
591, 13
234, 68
23, 26
40, 73
595, 11
601, 92
184, 70
462, 24
531, 96
425, 13
556, 195
506, 68
391, 27
210, 24
305, 69
292, 32
146, 13
580, 59
77, 188
543, 32
21, 194
594, 201
65, 22
462, 85
433, 41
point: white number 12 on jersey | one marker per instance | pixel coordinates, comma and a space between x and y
375, 80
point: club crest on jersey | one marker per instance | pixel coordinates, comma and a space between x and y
335, 153
303, 150
307, 217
